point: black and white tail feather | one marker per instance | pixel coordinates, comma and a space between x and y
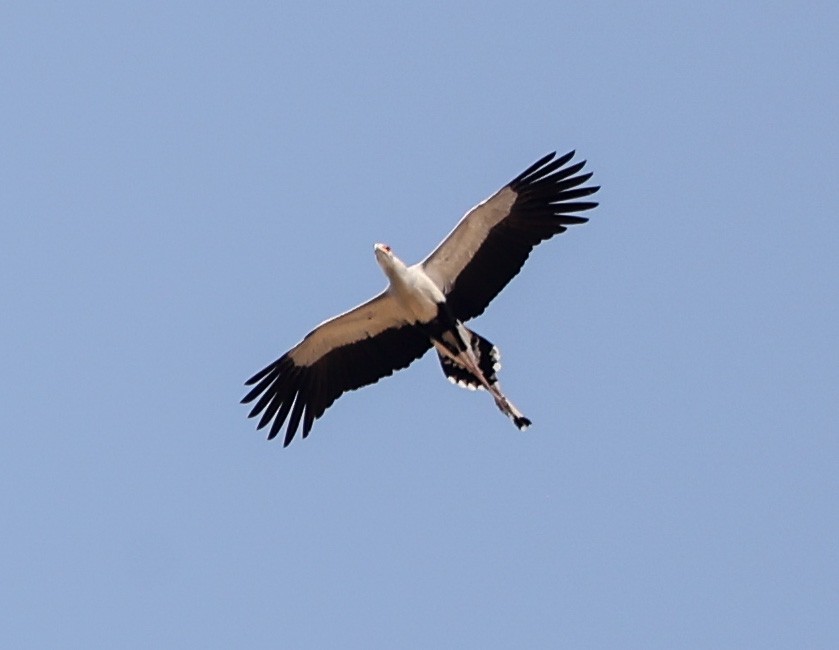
487, 363
462, 275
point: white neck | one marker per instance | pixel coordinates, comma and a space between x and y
393, 267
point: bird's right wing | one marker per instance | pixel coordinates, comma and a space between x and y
491, 243
346, 352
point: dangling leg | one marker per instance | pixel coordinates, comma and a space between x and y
467, 352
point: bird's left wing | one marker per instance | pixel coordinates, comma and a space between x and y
491, 243
349, 351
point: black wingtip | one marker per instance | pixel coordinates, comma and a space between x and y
289, 436
545, 168
544, 160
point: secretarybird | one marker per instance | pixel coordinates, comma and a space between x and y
427, 304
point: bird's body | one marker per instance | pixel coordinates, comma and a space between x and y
457, 346
426, 304
410, 286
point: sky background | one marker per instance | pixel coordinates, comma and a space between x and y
187, 188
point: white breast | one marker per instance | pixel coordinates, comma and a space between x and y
417, 293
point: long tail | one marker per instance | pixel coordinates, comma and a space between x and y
477, 368
488, 357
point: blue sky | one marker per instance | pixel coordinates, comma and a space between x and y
186, 189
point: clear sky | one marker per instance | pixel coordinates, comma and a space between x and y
187, 188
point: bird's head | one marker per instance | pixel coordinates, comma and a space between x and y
386, 259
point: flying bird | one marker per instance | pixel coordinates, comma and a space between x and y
427, 304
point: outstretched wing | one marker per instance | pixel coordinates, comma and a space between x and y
347, 352
491, 243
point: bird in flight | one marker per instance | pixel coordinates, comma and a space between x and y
427, 304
